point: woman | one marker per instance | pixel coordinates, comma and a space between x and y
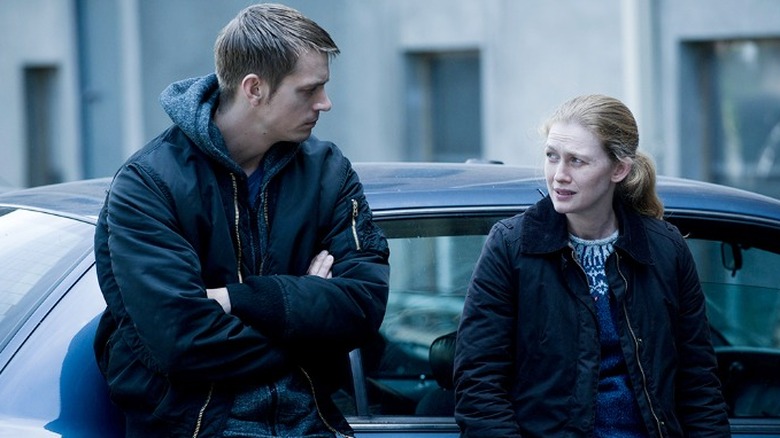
585, 316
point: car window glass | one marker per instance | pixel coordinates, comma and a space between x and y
742, 285
36, 251
431, 264
54, 379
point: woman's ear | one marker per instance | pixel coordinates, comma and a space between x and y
621, 170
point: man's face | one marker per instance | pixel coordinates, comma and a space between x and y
292, 111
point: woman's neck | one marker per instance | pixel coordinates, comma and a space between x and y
590, 228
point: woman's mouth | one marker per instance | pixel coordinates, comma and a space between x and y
563, 193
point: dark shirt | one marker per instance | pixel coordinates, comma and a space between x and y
254, 180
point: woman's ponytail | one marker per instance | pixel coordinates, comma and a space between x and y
638, 188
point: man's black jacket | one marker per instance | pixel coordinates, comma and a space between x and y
177, 220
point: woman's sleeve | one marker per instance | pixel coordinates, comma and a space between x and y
484, 347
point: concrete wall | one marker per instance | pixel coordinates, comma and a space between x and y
697, 20
36, 33
534, 55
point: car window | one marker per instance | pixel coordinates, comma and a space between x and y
53, 378
36, 251
741, 283
742, 286
431, 261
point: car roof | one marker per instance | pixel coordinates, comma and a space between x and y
80, 199
415, 186
454, 185
448, 185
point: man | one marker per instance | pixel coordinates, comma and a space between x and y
236, 252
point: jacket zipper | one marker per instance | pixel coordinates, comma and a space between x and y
317, 406
202, 411
658, 421
236, 211
354, 223
267, 224
236, 224
238, 240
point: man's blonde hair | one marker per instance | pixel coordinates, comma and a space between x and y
266, 39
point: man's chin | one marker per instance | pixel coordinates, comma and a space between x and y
300, 136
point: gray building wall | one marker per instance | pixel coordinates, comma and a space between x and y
37, 33
534, 54
678, 108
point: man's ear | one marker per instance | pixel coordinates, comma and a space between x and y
622, 169
254, 89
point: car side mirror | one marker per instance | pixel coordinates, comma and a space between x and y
731, 257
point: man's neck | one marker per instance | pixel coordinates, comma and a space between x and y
240, 140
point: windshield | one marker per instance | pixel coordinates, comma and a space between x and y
36, 251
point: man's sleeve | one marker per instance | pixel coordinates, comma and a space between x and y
152, 283
346, 309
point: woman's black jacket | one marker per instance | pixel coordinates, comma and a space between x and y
527, 358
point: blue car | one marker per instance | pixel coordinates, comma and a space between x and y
436, 217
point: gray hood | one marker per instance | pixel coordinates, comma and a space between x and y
190, 104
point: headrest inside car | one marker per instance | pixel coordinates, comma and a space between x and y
441, 356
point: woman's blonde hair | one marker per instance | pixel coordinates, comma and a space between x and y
613, 123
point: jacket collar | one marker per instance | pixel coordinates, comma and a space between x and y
545, 231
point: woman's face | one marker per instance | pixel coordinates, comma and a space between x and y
581, 178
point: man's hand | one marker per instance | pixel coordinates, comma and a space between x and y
221, 296
321, 265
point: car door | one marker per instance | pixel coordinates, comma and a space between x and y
403, 386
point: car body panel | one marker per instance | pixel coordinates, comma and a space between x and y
50, 384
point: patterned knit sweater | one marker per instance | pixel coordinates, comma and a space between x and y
617, 413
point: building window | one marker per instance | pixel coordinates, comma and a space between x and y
443, 106
40, 87
735, 112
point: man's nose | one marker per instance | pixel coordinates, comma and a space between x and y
323, 103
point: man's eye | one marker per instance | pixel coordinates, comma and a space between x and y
311, 91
